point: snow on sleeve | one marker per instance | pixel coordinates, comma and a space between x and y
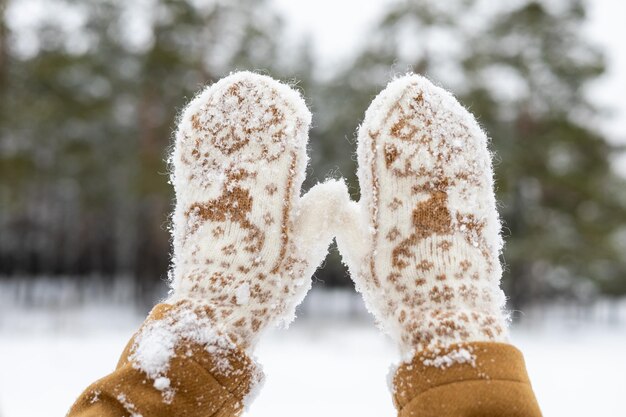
455, 356
95, 396
128, 406
162, 383
155, 346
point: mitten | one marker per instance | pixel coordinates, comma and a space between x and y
424, 240
244, 243
245, 246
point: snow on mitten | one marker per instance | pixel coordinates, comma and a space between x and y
245, 246
245, 243
424, 243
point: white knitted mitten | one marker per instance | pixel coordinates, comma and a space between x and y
425, 238
245, 243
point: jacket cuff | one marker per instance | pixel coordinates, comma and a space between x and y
199, 383
471, 379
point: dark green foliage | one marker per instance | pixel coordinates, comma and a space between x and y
86, 122
523, 73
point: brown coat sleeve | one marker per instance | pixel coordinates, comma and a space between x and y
200, 389
494, 383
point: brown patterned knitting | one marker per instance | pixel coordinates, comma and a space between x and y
424, 250
243, 248
245, 243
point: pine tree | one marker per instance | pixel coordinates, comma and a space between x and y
562, 202
523, 71
87, 120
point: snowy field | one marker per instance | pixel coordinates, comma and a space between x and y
320, 366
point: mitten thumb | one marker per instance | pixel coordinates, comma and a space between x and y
353, 239
320, 211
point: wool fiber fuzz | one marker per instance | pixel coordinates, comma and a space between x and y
245, 244
423, 242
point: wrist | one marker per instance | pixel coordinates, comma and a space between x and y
435, 329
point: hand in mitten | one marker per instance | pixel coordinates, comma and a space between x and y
245, 246
245, 243
423, 248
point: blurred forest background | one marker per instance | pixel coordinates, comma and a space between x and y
89, 97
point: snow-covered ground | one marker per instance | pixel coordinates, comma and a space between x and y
320, 366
